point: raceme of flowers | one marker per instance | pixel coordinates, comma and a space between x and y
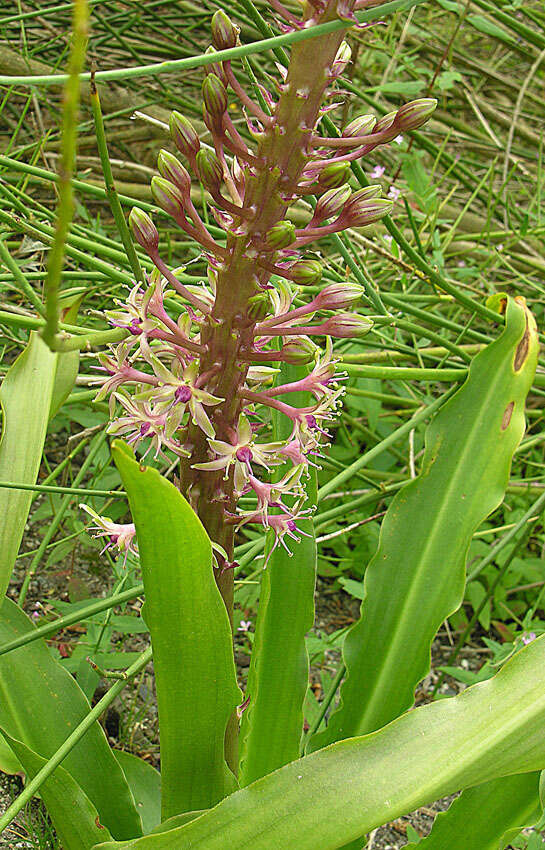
197, 374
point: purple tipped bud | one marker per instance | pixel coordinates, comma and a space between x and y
298, 351
367, 211
331, 202
214, 96
167, 196
338, 296
209, 170
259, 306
143, 228
333, 175
412, 115
281, 235
385, 122
347, 325
306, 272
360, 126
184, 135
172, 169
224, 33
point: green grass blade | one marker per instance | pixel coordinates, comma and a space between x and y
25, 396
487, 816
272, 724
191, 637
416, 578
332, 796
43, 718
74, 817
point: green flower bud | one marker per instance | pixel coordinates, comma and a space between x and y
224, 33
331, 202
298, 351
364, 194
412, 115
333, 175
167, 196
367, 211
216, 67
184, 135
172, 169
338, 296
385, 122
259, 306
306, 272
281, 235
341, 60
143, 228
209, 170
347, 325
360, 126
214, 95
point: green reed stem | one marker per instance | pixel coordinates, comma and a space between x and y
75, 617
20, 279
180, 65
111, 193
46, 488
65, 208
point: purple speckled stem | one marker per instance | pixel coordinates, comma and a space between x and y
228, 333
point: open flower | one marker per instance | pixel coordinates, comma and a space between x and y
177, 392
270, 495
240, 455
120, 536
284, 525
142, 421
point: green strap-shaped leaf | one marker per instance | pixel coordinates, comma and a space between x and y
272, 724
68, 361
41, 704
191, 638
145, 784
332, 796
487, 817
416, 578
74, 817
25, 397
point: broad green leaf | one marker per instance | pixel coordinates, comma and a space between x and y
41, 704
416, 578
68, 361
191, 638
483, 818
65, 378
272, 724
9, 763
145, 784
74, 817
25, 397
334, 795
177, 820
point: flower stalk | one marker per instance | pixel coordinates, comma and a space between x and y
201, 389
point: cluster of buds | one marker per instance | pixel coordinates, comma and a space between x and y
200, 384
